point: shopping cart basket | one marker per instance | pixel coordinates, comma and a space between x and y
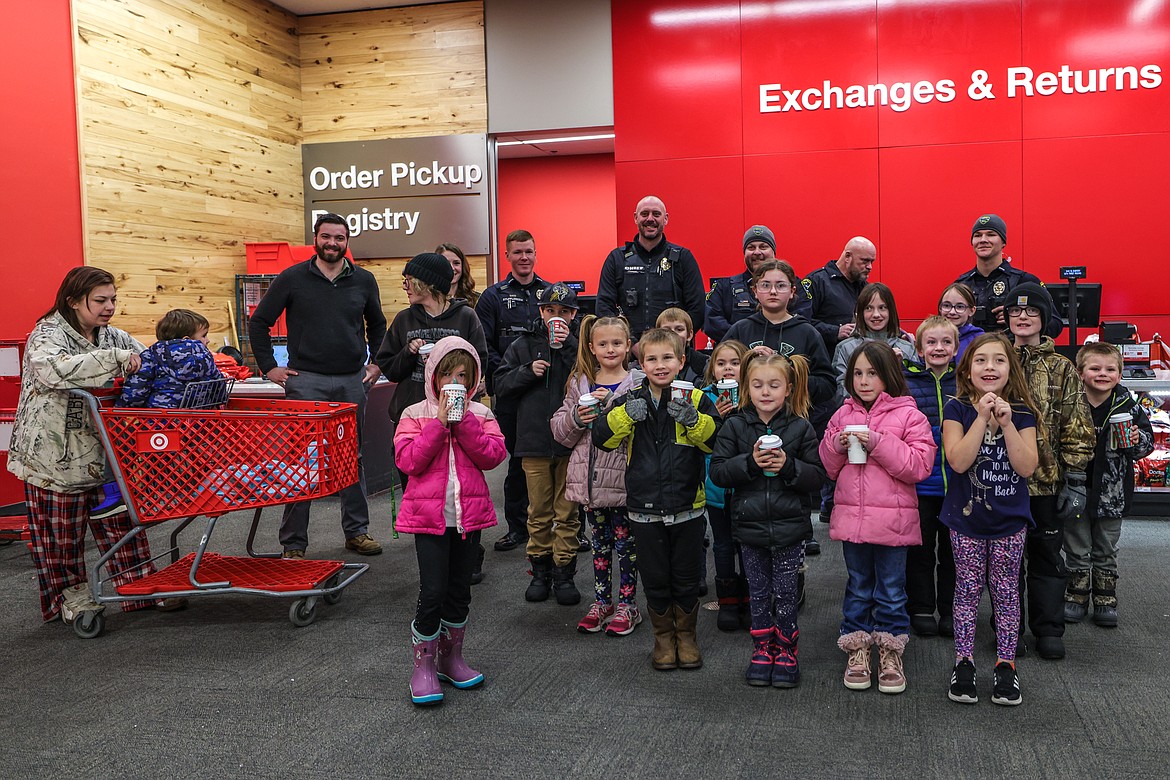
181, 464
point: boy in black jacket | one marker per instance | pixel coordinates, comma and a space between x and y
1090, 544
533, 374
669, 439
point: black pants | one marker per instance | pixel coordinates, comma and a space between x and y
930, 566
668, 562
444, 578
1042, 574
515, 483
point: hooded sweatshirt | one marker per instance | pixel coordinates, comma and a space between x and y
400, 365
794, 336
446, 463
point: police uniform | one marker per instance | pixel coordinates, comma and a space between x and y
729, 301
640, 284
993, 290
833, 301
507, 310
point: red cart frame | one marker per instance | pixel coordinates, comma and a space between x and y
180, 464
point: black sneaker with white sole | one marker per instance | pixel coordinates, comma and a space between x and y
963, 688
1007, 685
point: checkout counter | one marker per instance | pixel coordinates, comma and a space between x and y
377, 432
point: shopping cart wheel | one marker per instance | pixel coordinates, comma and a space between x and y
302, 613
332, 598
89, 624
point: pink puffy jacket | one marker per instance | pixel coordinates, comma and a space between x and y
433, 455
607, 485
876, 502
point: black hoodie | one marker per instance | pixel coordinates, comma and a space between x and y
794, 336
400, 365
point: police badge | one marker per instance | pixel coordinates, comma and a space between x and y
999, 288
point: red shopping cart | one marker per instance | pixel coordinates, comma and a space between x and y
182, 464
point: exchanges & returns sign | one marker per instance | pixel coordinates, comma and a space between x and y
401, 196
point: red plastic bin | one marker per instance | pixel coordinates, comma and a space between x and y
11, 360
179, 463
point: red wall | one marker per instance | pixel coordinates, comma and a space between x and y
567, 203
40, 189
1079, 178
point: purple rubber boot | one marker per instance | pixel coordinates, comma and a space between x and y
451, 666
424, 684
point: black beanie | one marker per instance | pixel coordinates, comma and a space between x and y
432, 270
1030, 294
991, 222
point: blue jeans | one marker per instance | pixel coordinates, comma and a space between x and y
875, 595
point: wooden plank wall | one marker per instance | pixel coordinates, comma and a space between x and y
192, 116
190, 138
395, 73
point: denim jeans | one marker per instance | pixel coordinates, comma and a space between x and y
875, 595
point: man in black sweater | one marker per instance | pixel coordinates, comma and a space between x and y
329, 304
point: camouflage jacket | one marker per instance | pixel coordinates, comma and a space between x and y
1066, 437
54, 442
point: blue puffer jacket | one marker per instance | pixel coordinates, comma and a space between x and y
715, 496
931, 393
967, 334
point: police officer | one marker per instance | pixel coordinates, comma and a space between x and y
993, 276
833, 290
649, 274
507, 310
731, 299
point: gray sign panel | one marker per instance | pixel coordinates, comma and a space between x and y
401, 196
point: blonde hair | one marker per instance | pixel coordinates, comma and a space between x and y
664, 336
738, 347
795, 371
419, 287
1015, 393
935, 321
587, 365
675, 314
1099, 349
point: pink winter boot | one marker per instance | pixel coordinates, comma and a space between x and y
450, 665
424, 685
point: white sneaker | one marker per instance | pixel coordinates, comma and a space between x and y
76, 600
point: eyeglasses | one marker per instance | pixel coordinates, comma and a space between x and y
1016, 311
406, 283
948, 306
770, 286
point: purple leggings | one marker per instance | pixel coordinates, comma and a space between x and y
996, 563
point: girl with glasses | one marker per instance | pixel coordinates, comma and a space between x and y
957, 304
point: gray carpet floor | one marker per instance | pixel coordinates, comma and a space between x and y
230, 689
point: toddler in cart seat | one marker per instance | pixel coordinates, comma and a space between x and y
178, 358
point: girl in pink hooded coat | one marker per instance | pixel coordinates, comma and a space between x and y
876, 512
445, 450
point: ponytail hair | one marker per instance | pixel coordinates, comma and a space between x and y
587, 365
795, 371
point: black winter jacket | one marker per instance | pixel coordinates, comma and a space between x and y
400, 365
766, 511
1110, 472
667, 465
795, 336
536, 398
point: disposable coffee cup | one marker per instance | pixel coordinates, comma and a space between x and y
680, 390
857, 453
769, 442
558, 329
425, 351
589, 402
727, 390
456, 400
1120, 428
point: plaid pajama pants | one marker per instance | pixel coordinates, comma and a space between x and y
57, 523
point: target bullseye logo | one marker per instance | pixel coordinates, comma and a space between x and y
340, 431
160, 441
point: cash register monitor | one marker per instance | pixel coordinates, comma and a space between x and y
1088, 303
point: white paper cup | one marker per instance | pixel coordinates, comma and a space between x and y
457, 401
558, 330
1120, 426
425, 351
769, 442
857, 453
680, 390
588, 401
727, 390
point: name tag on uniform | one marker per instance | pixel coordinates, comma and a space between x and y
635, 269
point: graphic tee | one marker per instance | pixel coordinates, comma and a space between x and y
988, 500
